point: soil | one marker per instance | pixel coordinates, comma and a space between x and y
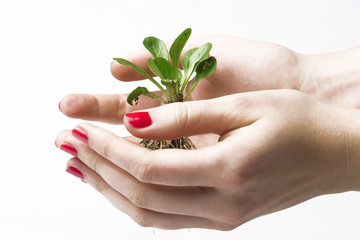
181, 143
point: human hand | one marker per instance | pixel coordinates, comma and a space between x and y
243, 65
247, 65
275, 149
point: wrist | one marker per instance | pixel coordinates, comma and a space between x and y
353, 149
332, 78
342, 149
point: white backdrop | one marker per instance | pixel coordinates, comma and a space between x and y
52, 48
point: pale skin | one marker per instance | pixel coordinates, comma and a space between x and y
258, 152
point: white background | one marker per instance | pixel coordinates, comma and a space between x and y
52, 48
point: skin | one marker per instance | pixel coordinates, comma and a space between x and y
265, 151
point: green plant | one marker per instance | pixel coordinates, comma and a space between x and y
176, 84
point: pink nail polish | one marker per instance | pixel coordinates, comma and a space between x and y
139, 119
69, 149
80, 134
75, 172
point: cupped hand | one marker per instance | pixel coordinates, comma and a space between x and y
243, 65
275, 149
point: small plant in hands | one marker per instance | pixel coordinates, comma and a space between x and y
175, 84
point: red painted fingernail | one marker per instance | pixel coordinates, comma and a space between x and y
69, 149
80, 134
75, 172
139, 119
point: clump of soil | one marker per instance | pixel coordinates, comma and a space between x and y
181, 143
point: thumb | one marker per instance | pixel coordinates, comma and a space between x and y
172, 121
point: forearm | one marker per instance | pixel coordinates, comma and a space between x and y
333, 78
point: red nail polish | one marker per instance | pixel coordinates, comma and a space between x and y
69, 149
80, 134
139, 119
75, 172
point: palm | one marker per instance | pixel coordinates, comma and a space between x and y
245, 65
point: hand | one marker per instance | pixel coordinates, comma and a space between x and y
246, 65
275, 149
243, 65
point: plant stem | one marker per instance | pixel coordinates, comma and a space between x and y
159, 86
152, 95
190, 91
172, 93
183, 86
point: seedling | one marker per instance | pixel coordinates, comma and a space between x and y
176, 84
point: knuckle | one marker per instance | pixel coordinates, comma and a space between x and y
229, 178
99, 187
108, 146
232, 216
240, 102
142, 218
225, 226
236, 177
93, 163
239, 209
181, 115
144, 171
138, 198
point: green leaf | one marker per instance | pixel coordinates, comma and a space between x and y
205, 68
180, 76
161, 67
156, 47
177, 47
186, 59
140, 70
134, 95
193, 58
199, 55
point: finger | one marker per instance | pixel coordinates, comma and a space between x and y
195, 201
143, 217
109, 108
171, 167
192, 201
176, 120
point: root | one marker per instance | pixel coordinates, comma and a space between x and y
181, 143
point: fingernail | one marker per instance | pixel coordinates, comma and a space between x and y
80, 134
139, 119
69, 149
75, 172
